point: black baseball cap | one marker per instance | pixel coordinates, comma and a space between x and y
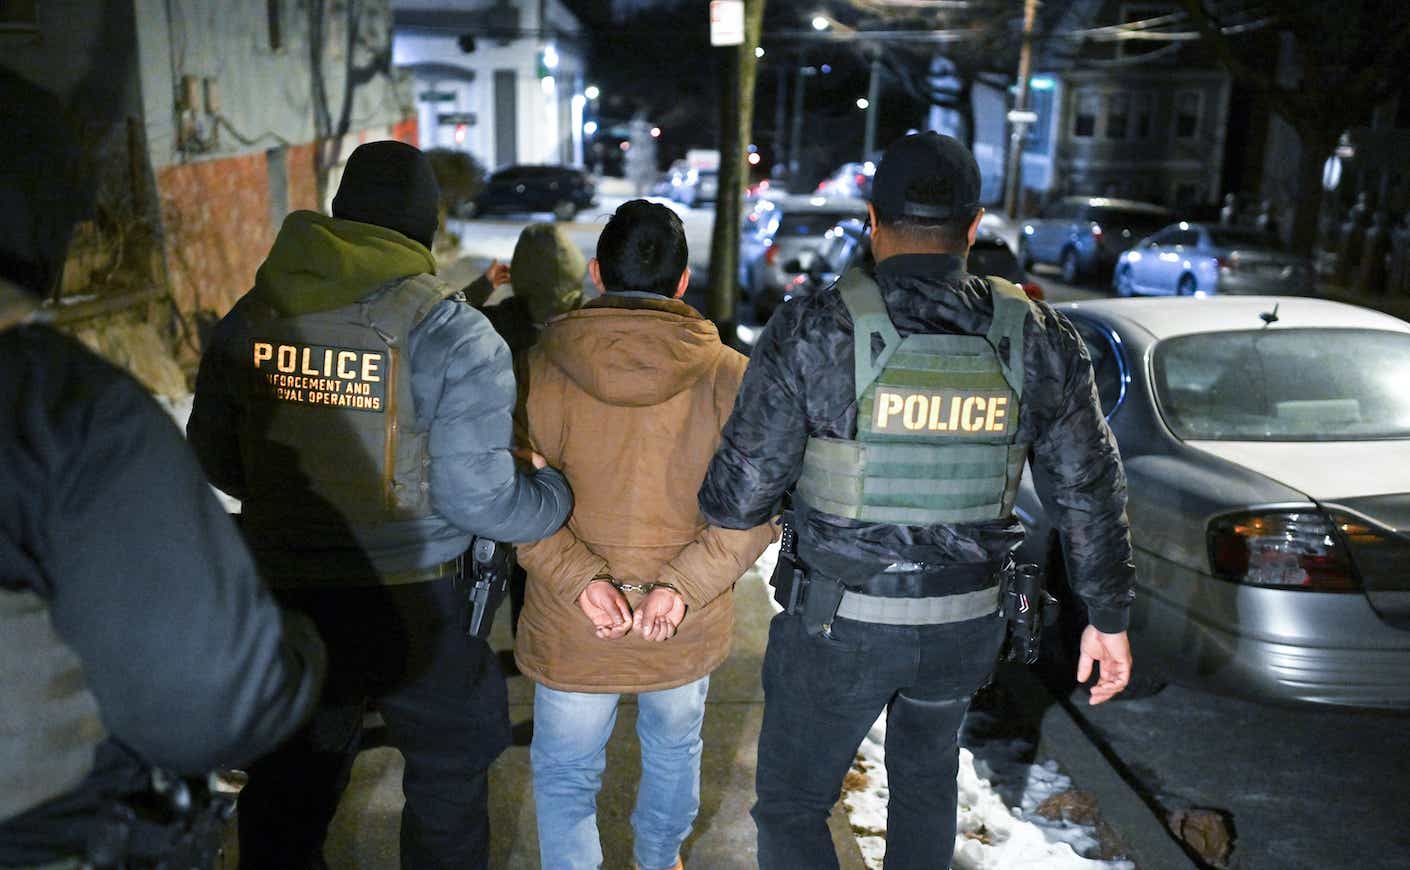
928, 177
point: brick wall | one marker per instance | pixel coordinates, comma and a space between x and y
216, 216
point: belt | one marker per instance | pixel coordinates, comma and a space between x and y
451, 568
939, 610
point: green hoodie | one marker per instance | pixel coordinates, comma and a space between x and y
319, 263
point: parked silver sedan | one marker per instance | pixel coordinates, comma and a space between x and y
1267, 447
1189, 259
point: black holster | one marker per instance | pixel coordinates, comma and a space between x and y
175, 825
1028, 608
490, 565
796, 592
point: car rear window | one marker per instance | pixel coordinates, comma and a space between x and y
1243, 237
1285, 385
1139, 222
811, 223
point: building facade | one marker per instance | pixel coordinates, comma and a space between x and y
202, 118
499, 79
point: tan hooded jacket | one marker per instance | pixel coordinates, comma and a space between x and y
627, 397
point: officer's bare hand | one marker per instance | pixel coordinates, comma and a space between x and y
1113, 653
659, 614
607, 608
532, 457
497, 274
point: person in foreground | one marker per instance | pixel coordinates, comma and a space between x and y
361, 411
134, 631
633, 596
899, 407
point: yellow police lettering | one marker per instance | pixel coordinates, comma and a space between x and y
344, 371
914, 413
938, 422
287, 358
886, 405
968, 409
264, 352
371, 364
994, 419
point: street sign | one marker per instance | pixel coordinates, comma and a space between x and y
726, 22
1022, 117
457, 118
436, 96
1331, 173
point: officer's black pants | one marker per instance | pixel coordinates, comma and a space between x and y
821, 696
443, 698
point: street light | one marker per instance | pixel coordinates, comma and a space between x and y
821, 23
592, 92
863, 102
655, 132
590, 127
758, 51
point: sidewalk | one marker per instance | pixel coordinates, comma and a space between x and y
364, 834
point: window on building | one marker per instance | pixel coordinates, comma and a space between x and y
19, 16
274, 9
1188, 108
1086, 105
1118, 115
1142, 108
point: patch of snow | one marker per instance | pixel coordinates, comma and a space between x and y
990, 833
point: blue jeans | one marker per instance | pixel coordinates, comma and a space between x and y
821, 695
569, 753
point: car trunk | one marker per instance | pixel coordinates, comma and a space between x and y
1381, 552
1378, 504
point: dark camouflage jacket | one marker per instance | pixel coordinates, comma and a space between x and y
800, 383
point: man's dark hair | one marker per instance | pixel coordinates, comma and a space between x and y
944, 234
642, 248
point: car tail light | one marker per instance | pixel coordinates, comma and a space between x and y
771, 255
1033, 289
1229, 263
1297, 549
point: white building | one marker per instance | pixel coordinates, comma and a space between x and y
516, 94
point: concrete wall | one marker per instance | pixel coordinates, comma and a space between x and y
229, 170
545, 131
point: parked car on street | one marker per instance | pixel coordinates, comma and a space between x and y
1188, 259
1267, 450
850, 179
701, 186
562, 190
848, 243
1083, 235
778, 232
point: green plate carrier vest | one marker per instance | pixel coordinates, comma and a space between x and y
330, 440
937, 419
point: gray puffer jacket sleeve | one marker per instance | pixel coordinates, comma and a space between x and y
462, 381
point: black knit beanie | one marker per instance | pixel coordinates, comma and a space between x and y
390, 184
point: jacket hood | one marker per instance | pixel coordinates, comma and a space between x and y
320, 262
547, 271
633, 352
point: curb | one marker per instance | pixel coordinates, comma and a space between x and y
1066, 738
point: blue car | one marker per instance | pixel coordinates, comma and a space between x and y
1084, 235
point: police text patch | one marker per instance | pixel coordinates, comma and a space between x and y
311, 374
915, 411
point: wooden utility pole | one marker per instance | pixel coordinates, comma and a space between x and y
1013, 187
736, 121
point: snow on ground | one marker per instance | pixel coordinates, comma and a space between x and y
990, 834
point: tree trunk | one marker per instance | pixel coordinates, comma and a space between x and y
736, 122
1317, 144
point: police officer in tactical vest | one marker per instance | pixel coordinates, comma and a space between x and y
361, 411
899, 407
135, 634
